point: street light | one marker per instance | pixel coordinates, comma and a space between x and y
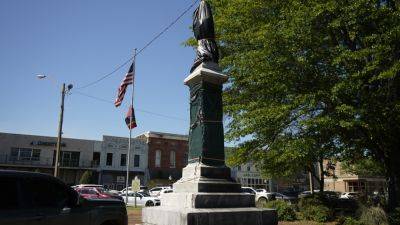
60, 122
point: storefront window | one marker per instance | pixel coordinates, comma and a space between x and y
172, 159
158, 158
25, 154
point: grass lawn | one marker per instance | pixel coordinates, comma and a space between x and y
132, 208
304, 223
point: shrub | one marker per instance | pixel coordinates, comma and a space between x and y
311, 200
394, 217
315, 207
318, 213
285, 211
373, 216
86, 178
348, 221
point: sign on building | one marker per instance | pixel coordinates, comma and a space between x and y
120, 179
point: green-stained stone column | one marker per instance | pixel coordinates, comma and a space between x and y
206, 134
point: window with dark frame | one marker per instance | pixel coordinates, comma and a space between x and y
25, 154
109, 159
136, 161
123, 160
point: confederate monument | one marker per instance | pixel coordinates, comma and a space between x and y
206, 193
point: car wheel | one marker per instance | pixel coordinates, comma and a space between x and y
261, 201
149, 203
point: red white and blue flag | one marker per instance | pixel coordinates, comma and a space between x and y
129, 77
130, 119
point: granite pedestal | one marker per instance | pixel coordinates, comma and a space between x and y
206, 193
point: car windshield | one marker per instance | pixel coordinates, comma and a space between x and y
144, 194
101, 190
87, 191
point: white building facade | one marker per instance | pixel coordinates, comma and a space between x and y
114, 159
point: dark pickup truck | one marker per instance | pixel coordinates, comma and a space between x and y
37, 199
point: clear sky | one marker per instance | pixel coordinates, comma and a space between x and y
78, 41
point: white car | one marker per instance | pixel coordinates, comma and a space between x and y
142, 189
349, 195
261, 191
142, 199
164, 192
260, 197
155, 191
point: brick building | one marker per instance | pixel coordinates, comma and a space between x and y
167, 154
342, 181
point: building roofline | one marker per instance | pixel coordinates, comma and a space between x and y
45, 136
111, 136
155, 134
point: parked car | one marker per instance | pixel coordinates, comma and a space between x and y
164, 192
41, 199
142, 199
261, 191
155, 191
349, 195
99, 187
280, 196
91, 192
142, 189
306, 193
260, 197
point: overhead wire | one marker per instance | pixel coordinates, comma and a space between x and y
141, 49
137, 109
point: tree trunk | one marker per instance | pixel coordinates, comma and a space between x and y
391, 180
311, 182
321, 175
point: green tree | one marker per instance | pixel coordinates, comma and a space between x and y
87, 177
311, 80
367, 167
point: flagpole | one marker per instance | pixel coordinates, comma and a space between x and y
130, 135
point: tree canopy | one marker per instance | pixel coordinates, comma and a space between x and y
310, 80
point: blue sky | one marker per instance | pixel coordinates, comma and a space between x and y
79, 41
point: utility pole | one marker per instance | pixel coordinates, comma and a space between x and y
60, 121
59, 137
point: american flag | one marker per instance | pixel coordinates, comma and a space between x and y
122, 88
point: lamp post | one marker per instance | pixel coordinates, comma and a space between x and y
60, 124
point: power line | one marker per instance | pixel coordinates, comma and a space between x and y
167, 28
137, 109
107, 75
140, 50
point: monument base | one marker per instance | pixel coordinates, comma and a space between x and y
206, 194
166, 215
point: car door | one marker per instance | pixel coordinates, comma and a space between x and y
142, 199
53, 201
12, 211
131, 198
